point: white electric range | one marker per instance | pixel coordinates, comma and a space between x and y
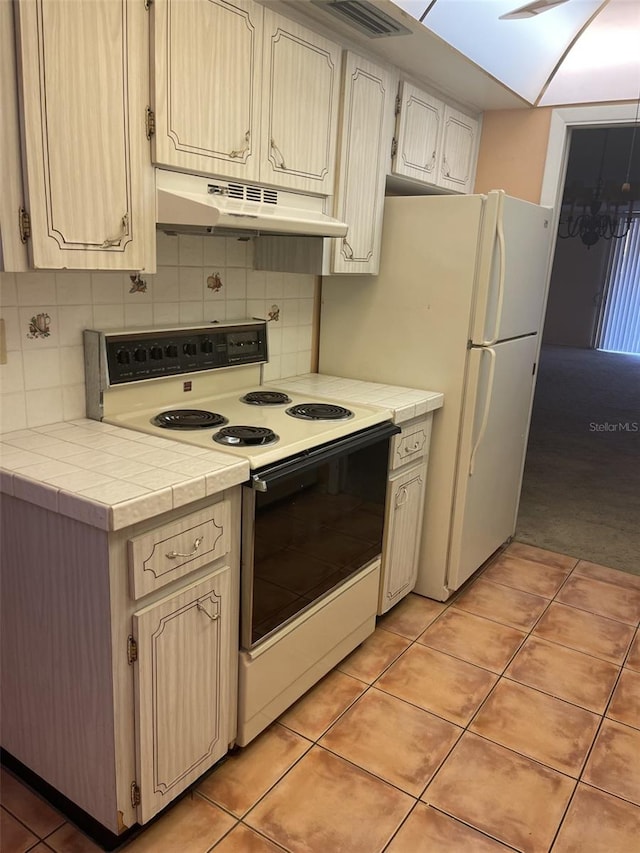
312, 511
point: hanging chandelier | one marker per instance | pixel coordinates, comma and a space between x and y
605, 211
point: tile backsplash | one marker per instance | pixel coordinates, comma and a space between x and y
197, 279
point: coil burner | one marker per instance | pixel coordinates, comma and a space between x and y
266, 398
188, 419
319, 412
245, 436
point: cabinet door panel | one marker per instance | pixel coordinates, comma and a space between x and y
458, 151
207, 57
419, 135
80, 70
405, 505
364, 149
182, 690
300, 102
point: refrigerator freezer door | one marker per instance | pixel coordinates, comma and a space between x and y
512, 269
492, 451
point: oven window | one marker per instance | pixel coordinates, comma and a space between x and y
313, 531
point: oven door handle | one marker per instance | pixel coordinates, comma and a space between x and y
265, 477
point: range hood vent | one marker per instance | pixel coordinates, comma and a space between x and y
194, 204
365, 17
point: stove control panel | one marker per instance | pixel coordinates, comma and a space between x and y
135, 355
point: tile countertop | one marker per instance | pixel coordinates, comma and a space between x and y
111, 477
107, 476
404, 403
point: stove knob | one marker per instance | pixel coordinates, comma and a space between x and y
140, 354
123, 357
171, 351
190, 349
207, 346
156, 353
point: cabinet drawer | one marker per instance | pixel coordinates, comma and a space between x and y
412, 443
163, 555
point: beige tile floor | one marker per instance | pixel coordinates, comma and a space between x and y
507, 719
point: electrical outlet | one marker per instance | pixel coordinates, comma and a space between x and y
3, 343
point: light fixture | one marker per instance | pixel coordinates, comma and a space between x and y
531, 9
604, 211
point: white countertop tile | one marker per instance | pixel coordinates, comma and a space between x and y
108, 476
404, 403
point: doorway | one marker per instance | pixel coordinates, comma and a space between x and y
581, 486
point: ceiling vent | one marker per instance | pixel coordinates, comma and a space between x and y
365, 17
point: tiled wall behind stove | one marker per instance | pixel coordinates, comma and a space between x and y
198, 278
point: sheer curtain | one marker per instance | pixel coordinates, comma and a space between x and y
620, 324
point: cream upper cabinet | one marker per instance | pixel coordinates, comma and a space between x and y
88, 182
367, 119
206, 69
434, 143
459, 144
417, 145
241, 92
301, 88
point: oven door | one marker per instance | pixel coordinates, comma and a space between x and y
310, 523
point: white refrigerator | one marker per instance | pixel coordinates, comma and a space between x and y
457, 307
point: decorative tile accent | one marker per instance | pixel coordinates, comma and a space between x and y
273, 313
138, 284
39, 326
214, 282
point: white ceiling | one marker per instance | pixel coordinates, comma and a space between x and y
579, 52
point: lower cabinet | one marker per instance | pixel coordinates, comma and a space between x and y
404, 510
183, 644
119, 691
405, 506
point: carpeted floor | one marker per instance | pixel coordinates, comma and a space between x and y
581, 489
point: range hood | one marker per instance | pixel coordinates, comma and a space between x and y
196, 204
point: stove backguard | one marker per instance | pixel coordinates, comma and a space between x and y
115, 358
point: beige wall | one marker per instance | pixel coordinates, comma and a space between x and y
513, 150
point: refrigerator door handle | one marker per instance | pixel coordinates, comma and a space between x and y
487, 404
501, 278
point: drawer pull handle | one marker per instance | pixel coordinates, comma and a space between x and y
173, 555
201, 607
